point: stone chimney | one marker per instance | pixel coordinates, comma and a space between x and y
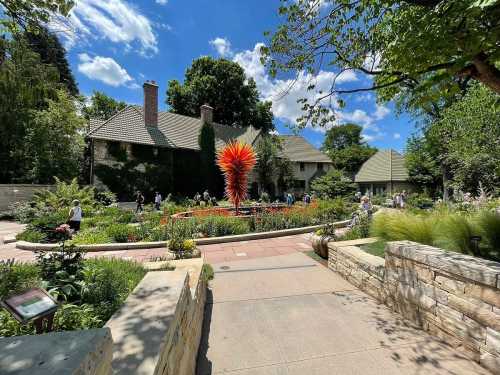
206, 114
150, 103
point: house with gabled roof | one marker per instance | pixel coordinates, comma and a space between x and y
119, 144
383, 174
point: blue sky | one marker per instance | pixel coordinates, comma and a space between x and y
114, 45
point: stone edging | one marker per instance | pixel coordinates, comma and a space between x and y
23, 245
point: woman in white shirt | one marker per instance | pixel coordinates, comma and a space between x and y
75, 216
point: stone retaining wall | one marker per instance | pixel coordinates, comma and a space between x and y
156, 332
453, 296
11, 193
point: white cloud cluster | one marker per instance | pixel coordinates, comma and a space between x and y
104, 69
161, 2
286, 107
114, 20
222, 46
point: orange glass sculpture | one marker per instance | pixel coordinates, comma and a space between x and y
236, 160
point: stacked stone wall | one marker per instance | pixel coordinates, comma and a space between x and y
453, 296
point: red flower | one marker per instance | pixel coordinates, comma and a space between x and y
236, 160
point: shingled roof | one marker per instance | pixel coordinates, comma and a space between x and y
385, 165
296, 148
173, 130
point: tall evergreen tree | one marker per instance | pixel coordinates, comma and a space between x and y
208, 172
52, 52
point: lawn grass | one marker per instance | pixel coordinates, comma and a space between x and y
375, 248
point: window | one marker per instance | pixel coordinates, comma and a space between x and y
302, 167
320, 166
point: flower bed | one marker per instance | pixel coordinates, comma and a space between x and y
89, 290
114, 225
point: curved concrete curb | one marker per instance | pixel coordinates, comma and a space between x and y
23, 245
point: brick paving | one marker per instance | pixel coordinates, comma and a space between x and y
213, 253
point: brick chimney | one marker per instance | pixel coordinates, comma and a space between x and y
150, 103
206, 114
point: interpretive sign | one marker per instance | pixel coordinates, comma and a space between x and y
32, 304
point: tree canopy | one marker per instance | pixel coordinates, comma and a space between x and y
40, 132
345, 146
31, 14
464, 143
333, 184
417, 52
102, 106
51, 51
223, 85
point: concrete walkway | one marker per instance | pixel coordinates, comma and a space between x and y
288, 315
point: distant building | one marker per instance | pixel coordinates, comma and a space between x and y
171, 141
384, 173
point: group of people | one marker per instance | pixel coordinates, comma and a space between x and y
139, 201
205, 199
399, 199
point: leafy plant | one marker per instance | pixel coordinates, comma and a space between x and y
16, 277
119, 232
454, 233
489, 228
64, 194
216, 226
207, 272
31, 235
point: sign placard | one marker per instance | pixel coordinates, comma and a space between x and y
32, 304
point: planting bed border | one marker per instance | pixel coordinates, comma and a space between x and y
32, 246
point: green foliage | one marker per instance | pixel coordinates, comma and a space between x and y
52, 52
402, 226
40, 132
375, 248
223, 85
18, 277
424, 169
119, 232
102, 107
64, 194
207, 272
455, 232
208, 168
31, 235
31, 14
90, 237
90, 291
489, 229
420, 53
345, 146
216, 226
333, 184
108, 282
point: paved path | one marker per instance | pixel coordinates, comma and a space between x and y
288, 315
213, 253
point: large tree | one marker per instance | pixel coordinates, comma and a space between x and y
102, 106
223, 85
30, 15
52, 52
34, 110
417, 52
463, 144
344, 144
333, 184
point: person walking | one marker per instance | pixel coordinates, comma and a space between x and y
139, 201
75, 216
289, 199
197, 198
157, 201
206, 197
403, 199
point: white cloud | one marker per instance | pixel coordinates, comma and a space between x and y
286, 107
161, 2
105, 69
114, 20
396, 136
222, 46
381, 112
372, 61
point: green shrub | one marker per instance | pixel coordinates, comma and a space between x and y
90, 237
454, 233
70, 317
216, 226
207, 272
64, 194
489, 228
119, 232
17, 277
402, 226
108, 282
31, 235
11, 327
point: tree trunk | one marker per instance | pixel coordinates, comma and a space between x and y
483, 71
